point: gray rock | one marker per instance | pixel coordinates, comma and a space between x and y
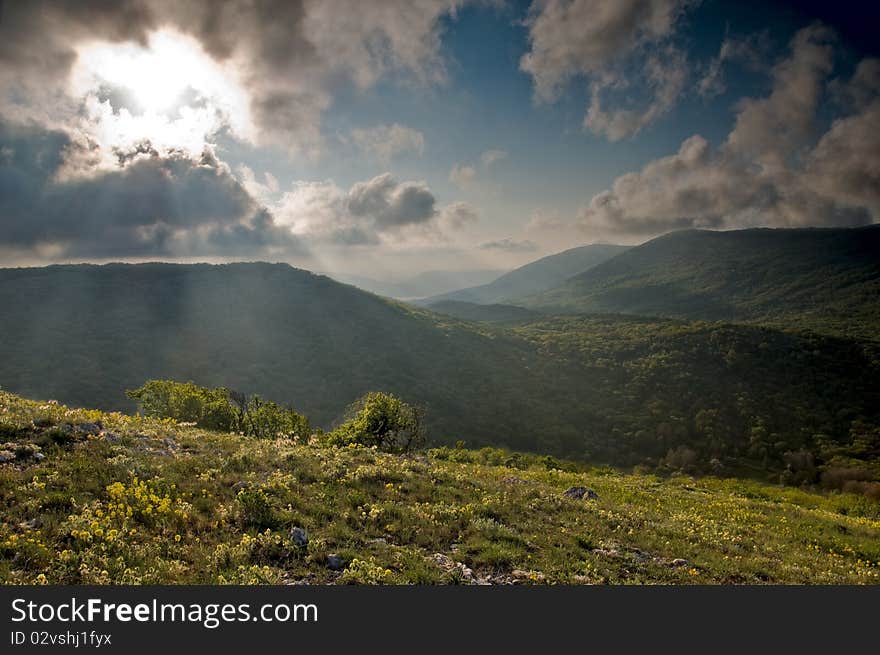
89, 428
31, 524
679, 562
39, 457
6, 456
43, 422
112, 437
335, 562
300, 537
579, 493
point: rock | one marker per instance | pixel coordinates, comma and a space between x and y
6, 456
39, 457
299, 536
112, 437
89, 428
579, 493
608, 552
241, 484
679, 562
513, 480
533, 576
335, 562
30, 524
380, 541
42, 422
169, 443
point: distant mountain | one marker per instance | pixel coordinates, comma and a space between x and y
824, 279
542, 274
495, 313
427, 283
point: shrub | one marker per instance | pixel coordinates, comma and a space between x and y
219, 409
256, 510
380, 420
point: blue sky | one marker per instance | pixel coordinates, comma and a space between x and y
388, 138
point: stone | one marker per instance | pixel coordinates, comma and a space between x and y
111, 437
299, 536
6, 456
579, 493
30, 524
43, 422
335, 562
89, 428
39, 457
679, 562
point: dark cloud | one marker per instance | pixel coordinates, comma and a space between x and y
390, 204
153, 205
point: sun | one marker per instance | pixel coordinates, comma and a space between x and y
168, 91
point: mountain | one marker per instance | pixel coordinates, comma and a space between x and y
539, 275
610, 389
83, 334
427, 283
94, 498
824, 279
495, 313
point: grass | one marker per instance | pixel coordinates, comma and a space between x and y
146, 501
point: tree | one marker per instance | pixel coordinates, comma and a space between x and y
381, 420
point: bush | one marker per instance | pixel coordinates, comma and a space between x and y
219, 409
380, 420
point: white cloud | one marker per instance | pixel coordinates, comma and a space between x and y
769, 171
462, 175
370, 212
384, 142
599, 40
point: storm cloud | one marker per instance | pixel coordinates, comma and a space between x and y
150, 205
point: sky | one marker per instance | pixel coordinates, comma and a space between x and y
390, 137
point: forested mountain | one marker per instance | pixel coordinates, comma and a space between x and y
493, 313
539, 275
609, 389
824, 279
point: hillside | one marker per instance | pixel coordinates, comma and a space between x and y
617, 390
494, 313
824, 279
545, 273
92, 498
85, 334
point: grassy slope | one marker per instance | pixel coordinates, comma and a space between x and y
825, 279
155, 502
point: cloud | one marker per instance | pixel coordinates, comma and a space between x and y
384, 142
465, 175
288, 55
665, 74
462, 175
370, 212
510, 245
599, 40
749, 50
150, 205
489, 157
771, 170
